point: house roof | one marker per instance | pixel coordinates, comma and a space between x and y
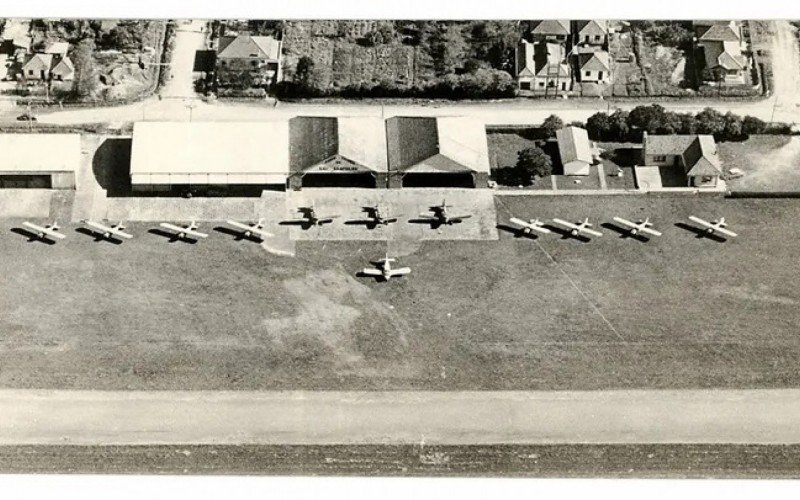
551, 27
40, 152
594, 61
210, 152
699, 152
573, 145
43, 60
64, 66
721, 32
436, 144
336, 143
592, 28
57, 48
731, 61
247, 46
548, 60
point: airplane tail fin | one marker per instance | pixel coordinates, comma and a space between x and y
260, 222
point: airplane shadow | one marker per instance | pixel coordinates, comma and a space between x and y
304, 225
172, 236
566, 234
701, 233
625, 233
238, 235
432, 223
362, 222
32, 237
97, 236
517, 232
361, 274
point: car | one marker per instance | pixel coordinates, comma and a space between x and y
26, 117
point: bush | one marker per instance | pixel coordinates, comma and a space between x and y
551, 124
250, 93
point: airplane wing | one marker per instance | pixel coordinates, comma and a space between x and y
192, 232
44, 230
326, 218
372, 272
239, 225
702, 222
586, 230
626, 222
428, 216
649, 231
460, 217
528, 225
261, 232
565, 223
726, 232
400, 271
173, 227
108, 229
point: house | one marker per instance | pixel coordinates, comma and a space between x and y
575, 150
445, 151
337, 152
694, 156
550, 30
250, 61
63, 70
165, 155
48, 67
723, 45
594, 67
58, 48
591, 33
542, 67
43, 161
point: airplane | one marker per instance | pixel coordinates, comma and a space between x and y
108, 231
580, 228
311, 218
440, 215
532, 225
642, 226
45, 232
249, 230
385, 270
377, 217
715, 226
184, 231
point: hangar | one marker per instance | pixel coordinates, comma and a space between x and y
47, 161
198, 155
437, 152
337, 152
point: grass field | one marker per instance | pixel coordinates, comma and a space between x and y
516, 313
770, 163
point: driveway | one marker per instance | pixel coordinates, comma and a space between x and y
190, 37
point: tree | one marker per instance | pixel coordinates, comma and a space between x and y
447, 48
732, 126
304, 72
495, 42
83, 61
551, 124
710, 121
752, 125
532, 163
598, 127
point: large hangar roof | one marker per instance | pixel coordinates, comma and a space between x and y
210, 152
40, 152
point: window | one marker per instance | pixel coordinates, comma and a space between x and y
541, 84
706, 179
30, 72
599, 75
659, 158
587, 73
597, 38
563, 85
525, 85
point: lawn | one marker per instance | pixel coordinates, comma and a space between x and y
514, 313
504, 148
568, 182
770, 163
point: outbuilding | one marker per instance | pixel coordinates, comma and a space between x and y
337, 152
47, 161
437, 152
197, 155
575, 150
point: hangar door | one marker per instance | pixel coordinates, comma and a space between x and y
338, 179
439, 180
35, 181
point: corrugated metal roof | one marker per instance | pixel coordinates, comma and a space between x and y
574, 145
315, 139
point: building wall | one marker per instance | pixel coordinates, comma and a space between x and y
261, 72
701, 181
662, 160
595, 76
63, 180
576, 167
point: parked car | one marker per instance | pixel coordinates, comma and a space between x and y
26, 117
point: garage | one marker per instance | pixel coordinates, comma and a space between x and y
337, 152
209, 158
437, 152
39, 161
438, 180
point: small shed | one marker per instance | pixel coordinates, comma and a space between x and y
575, 150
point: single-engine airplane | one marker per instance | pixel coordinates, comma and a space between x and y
378, 217
529, 226
642, 226
717, 226
46, 232
105, 231
384, 269
251, 230
181, 232
311, 218
440, 215
579, 228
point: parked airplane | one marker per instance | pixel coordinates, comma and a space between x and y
642, 226
249, 230
715, 226
108, 231
184, 231
579, 228
384, 270
45, 232
440, 215
378, 217
532, 225
311, 217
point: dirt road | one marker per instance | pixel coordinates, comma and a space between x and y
190, 37
130, 418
